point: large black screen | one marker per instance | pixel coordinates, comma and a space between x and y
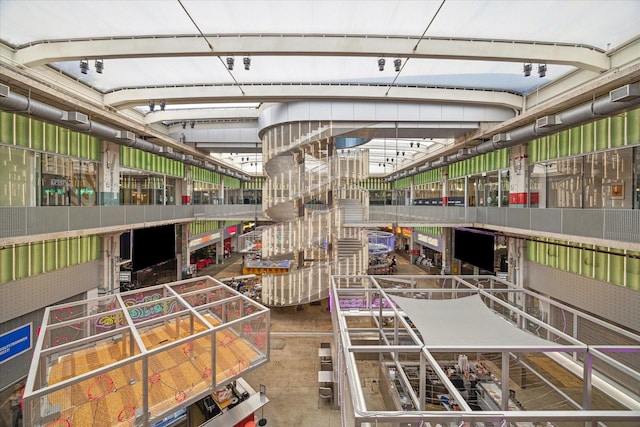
153, 245
475, 247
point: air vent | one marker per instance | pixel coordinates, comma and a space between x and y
625, 93
501, 137
548, 121
75, 117
4, 91
166, 150
125, 135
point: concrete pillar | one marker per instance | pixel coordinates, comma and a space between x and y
109, 191
447, 252
445, 185
110, 277
187, 186
519, 195
221, 190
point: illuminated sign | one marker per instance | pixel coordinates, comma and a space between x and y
232, 230
428, 240
204, 239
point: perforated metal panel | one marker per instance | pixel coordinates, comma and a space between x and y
31, 294
614, 303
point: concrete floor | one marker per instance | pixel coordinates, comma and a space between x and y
291, 376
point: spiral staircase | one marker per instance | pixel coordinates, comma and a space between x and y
310, 190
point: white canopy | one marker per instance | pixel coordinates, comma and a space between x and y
467, 323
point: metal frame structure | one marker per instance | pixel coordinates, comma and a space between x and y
368, 322
206, 321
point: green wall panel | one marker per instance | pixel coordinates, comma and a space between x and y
574, 260
563, 143
602, 134
37, 135
616, 269
552, 144
601, 268
74, 251
6, 127
6, 264
64, 140
633, 271
23, 132
74, 144
575, 141
37, 258
50, 142
63, 253
589, 137
617, 131
633, 127
84, 251
563, 255
50, 255
22, 261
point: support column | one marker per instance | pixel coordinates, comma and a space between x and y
187, 185
445, 185
519, 192
221, 190
447, 245
110, 282
110, 177
183, 256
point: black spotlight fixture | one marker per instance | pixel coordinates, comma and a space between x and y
99, 66
397, 63
230, 62
381, 63
247, 62
184, 124
192, 124
152, 106
162, 105
542, 70
411, 144
84, 66
527, 70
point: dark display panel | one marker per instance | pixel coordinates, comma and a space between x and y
153, 245
475, 247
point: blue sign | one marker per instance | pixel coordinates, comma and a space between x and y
15, 342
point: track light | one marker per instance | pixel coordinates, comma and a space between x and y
542, 70
247, 62
162, 105
418, 144
230, 62
184, 124
192, 124
411, 144
152, 106
527, 69
84, 66
397, 63
381, 63
99, 66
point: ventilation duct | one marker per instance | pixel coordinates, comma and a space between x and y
618, 101
16, 103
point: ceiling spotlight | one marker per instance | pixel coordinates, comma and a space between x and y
527, 70
542, 70
381, 63
230, 62
152, 106
162, 105
84, 66
99, 66
247, 62
397, 63
418, 144
411, 144
184, 124
192, 123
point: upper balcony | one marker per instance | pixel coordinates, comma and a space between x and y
613, 227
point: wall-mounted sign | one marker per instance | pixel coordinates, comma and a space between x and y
15, 342
432, 242
125, 276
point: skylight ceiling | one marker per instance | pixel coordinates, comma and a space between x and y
346, 26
